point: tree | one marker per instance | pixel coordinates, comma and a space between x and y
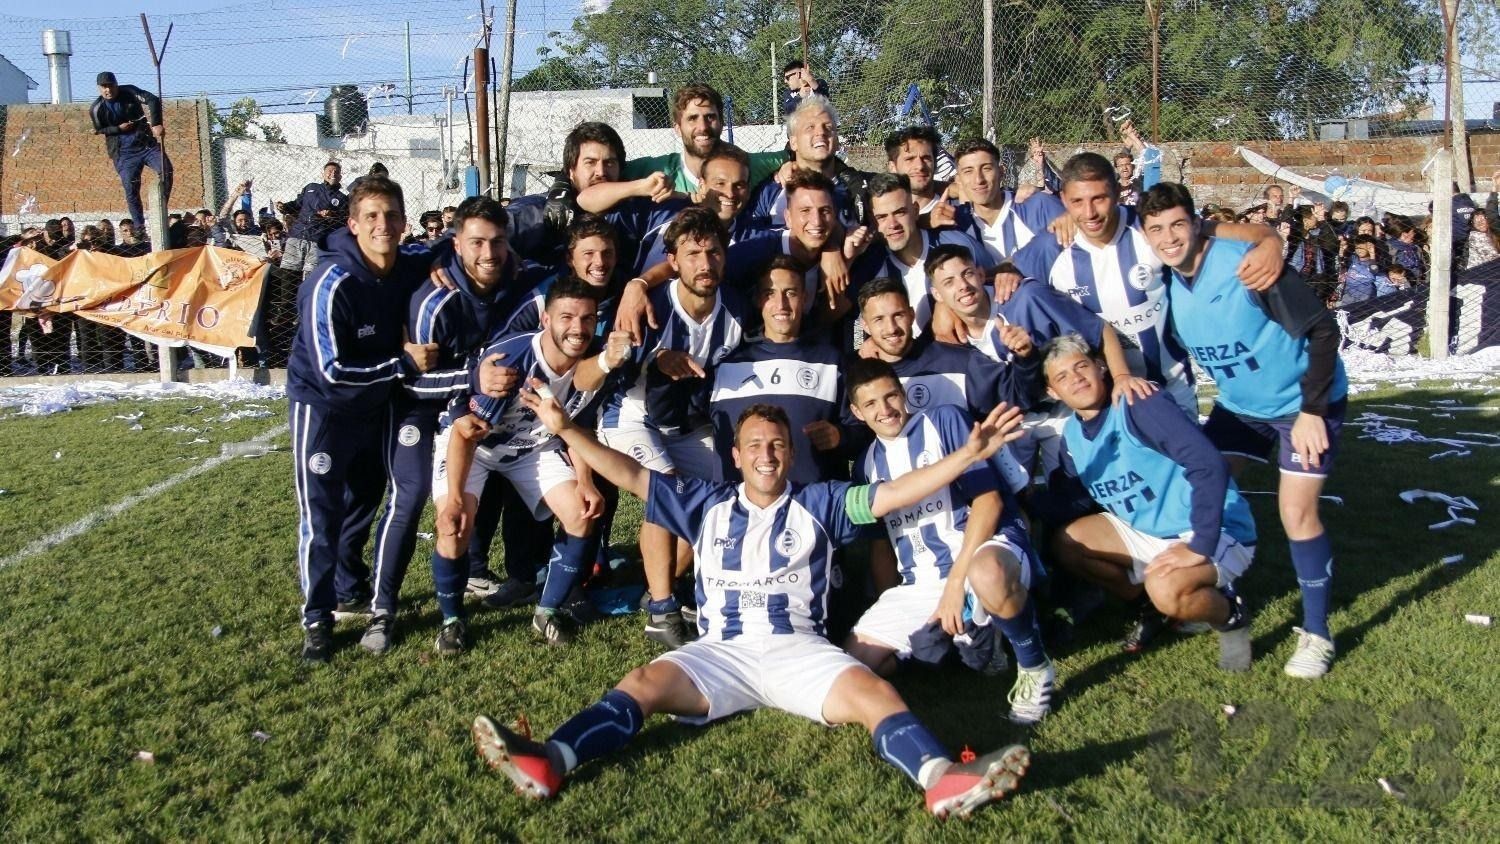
241, 116
1230, 68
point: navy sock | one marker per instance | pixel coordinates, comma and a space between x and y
600, 729
1024, 635
450, 577
902, 741
1313, 561
664, 606
569, 555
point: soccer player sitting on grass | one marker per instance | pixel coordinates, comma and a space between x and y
1174, 524
763, 548
965, 539
1275, 358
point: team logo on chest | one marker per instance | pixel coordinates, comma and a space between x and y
925, 459
807, 378
789, 543
918, 395
1141, 277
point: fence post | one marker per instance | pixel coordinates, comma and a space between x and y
1441, 269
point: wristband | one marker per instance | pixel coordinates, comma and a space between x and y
641, 280
604, 365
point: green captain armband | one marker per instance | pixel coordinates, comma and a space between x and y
857, 504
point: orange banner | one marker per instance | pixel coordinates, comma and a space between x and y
203, 296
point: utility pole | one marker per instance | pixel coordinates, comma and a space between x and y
408, 68
988, 118
502, 113
1453, 109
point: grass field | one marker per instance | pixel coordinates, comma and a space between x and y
108, 648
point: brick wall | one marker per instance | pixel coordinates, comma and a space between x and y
58, 158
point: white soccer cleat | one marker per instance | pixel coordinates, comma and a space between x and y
1031, 697
967, 786
1311, 658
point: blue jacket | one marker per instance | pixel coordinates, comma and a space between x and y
459, 321
315, 197
347, 353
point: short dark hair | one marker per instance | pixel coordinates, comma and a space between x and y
864, 371
792, 65
378, 169
331, 163
475, 207
803, 179
697, 223
591, 131
447, 208
782, 261
942, 254
687, 94
377, 186
1089, 167
1337, 206
883, 286
206, 212
1164, 196
236, 213
901, 137
881, 184
570, 287
769, 412
973, 145
591, 225
728, 152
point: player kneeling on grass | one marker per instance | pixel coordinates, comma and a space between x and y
503, 435
964, 539
1275, 358
1175, 522
763, 549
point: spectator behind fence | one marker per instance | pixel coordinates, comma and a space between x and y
1363, 275
799, 83
1406, 244
321, 208
130, 121
1482, 245
101, 348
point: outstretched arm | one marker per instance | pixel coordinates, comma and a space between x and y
1003, 425
620, 469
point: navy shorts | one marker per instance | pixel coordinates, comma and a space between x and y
1242, 436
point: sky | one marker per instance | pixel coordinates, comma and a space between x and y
285, 53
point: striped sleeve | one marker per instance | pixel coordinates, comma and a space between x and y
431, 322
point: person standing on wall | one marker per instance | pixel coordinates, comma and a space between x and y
130, 121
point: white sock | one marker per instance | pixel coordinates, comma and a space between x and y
932, 771
562, 755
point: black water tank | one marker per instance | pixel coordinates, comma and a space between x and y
345, 111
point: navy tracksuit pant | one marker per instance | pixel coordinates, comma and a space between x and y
129, 162
339, 468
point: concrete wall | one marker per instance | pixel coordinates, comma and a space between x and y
51, 152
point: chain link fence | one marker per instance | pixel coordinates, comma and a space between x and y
1333, 101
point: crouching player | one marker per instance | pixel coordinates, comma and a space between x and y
763, 549
1175, 522
966, 538
1275, 358
502, 435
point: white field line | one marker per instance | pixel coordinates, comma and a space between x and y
98, 517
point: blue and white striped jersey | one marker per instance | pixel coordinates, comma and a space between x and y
1017, 224
879, 261
803, 378
642, 396
1122, 282
1043, 312
761, 571
514, 428
929, 535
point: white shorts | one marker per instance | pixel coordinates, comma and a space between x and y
903, 610
691, 455
1041, 449
1230, 558
533, 474
791, 672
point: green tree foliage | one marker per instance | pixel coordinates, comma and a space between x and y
242, 116
1229, 68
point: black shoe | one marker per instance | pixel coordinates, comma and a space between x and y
354, 606
668, 629
453, 639
1148, 625
317, 642
579, 607
555, 627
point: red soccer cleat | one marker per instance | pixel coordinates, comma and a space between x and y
967, 786
524, 761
